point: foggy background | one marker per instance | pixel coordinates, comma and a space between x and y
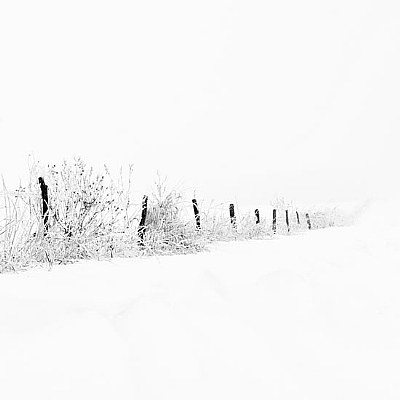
236, 100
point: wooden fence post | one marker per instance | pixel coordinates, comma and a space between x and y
45, 204
232, 215
142, 223
196, 213
298, 217
274, 220
257, 212
308, 221
287, 220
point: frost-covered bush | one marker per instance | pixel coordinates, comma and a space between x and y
19, 217
87, 216
85, 210
167, 231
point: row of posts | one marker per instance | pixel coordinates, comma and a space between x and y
257, 214
142, 223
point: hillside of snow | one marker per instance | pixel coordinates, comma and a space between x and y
308, 316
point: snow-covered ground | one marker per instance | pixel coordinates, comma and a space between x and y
308, 316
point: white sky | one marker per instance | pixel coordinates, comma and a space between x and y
237, 99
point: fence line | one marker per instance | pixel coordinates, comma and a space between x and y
34, 217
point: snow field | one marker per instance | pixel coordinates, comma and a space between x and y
308, 316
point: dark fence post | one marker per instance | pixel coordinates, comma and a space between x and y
257, 212
308, 221
274, 220
232, 215
45, 205
298, 217
196, 213
287, 220
142, 223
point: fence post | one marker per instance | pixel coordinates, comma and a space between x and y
45, 204
142, 223
196, 213
257, 212
298, 217
274, 220
287, 220
232, 215
308, 221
